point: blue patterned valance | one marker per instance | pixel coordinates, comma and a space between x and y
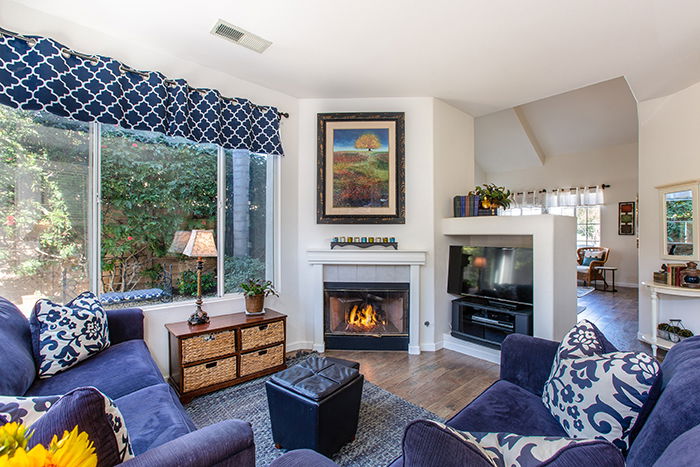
37, 73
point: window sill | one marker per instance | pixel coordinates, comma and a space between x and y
190, 303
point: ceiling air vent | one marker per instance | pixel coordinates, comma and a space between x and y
240, 36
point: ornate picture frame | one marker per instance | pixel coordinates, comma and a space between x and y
361, 168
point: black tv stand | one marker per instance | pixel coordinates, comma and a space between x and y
488, 321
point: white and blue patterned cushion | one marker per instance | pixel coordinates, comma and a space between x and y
24, 410
131, 296
597, 395
28, 410
513, 450
64, 335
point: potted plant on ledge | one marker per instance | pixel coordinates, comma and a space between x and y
494, 197
255, 291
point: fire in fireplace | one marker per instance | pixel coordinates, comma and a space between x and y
370, 315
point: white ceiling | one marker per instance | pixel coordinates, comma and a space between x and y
479, 55
501, 143
590, 118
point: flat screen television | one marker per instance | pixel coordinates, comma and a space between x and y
501, 273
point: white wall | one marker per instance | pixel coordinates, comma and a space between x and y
26, 20
669, 139
454, 174
614, 165
422, 192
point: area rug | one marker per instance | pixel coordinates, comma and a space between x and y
583, 291
383, 417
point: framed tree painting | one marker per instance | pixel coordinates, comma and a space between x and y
361, 168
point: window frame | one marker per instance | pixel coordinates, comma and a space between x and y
587, 223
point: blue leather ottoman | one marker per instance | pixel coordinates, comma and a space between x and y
315, 404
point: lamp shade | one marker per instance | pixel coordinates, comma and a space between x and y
200, 244
180, 240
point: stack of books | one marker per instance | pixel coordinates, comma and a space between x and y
673, 274
469, 206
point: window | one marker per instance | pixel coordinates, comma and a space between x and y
249, 203
54, 170
587, 223
152, 187
587, 226
44, 173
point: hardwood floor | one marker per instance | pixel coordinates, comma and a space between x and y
442, 382
445, 381
616, 315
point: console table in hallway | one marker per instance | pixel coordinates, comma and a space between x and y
657, 290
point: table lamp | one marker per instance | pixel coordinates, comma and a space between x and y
200, 245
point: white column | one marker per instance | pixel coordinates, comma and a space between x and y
654, 320
414, 311
317, 294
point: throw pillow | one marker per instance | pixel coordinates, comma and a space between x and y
594, 394
89, 409
591, 255
508, 449
64, 335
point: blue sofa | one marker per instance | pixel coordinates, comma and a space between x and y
670, 435
160, 431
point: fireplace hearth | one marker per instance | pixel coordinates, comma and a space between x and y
366, 315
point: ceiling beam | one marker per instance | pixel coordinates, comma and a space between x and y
530, 134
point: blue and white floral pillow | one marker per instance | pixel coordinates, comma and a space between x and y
597, 395
28, 410
24, 410
64, 335
508, 449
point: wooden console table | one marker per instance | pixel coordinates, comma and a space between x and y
656, 290
228, 350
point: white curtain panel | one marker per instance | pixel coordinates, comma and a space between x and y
573, 197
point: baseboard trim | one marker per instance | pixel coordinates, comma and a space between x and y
629, 285
431, 346
299, 345
471, 349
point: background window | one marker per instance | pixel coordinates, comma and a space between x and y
153, 186
43, 207
249, 216
587, 226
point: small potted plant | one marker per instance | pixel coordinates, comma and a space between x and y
662, 331
494, 197
255, 291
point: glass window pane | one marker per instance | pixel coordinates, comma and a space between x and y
249, 216
43, 207
155, 191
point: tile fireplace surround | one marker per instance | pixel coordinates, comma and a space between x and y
367, 266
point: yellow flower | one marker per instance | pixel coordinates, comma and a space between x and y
74, 449
13, 436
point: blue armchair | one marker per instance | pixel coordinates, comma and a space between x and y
669, 436
160, 431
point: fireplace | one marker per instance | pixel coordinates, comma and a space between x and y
366, 315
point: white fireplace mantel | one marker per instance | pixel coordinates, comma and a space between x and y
414, 259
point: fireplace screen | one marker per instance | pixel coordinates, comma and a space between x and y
370, 309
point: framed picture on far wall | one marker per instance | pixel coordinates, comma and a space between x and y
361, 168
625, 218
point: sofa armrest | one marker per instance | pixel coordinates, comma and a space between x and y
303, 458
225, 443
527, 361
427, 444
125, 324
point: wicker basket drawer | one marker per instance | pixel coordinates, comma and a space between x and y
260, 360
262, 335
206, 346
208, 374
